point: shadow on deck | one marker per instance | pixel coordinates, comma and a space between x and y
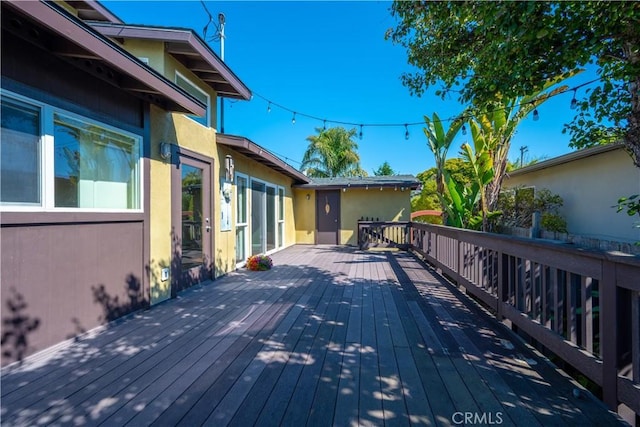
329, 336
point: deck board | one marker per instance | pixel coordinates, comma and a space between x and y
330, 336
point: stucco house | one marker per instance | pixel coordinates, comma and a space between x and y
117, 191
590, 182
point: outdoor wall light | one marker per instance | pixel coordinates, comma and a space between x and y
308, 196
165, 150
228, 168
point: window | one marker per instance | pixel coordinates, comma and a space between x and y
52, 159
198, 94
20, 154
94, 167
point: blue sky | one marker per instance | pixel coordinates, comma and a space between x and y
330, 60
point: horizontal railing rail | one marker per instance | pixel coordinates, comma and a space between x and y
582, 305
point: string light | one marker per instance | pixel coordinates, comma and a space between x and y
536, 114
293, 119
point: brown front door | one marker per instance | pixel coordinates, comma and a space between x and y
328, 217
192, 223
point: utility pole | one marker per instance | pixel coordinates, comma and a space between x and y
523, 149
221, 21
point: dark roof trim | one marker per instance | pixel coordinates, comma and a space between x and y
88, 42
373, 182
91, 10
183, 42
576, 155
252, 150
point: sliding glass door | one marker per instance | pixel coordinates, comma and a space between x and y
258, 220
263, 217
242, 221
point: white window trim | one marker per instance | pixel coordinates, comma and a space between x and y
245, 224
47, 168
279, 214
196, 87
246, 198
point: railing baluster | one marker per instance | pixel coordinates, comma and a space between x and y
609, 335
587, 314
544, 290
571, 308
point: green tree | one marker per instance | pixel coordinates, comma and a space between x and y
428, 198
439, 142
331, 153
480, 49
384, 170
497, 123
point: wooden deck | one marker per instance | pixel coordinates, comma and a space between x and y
329, 336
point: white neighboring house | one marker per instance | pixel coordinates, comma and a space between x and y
590, 182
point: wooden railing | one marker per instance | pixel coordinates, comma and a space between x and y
584, 306
372, 234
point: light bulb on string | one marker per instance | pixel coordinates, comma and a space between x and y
324, 125
269, 107
360, 135
406, 133
293, 119
536, 115
574, 101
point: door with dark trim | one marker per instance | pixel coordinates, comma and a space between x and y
327, 217
192, 223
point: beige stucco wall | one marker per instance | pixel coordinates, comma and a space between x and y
167, 65
589, 187
305, 216
177, 129
385, 205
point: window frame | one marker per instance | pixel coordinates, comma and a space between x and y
280, 217
198, 89
47, 159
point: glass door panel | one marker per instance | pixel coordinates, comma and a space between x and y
241, 218
271, 218
192, 215
257, 217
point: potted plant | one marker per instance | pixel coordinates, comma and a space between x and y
259, 263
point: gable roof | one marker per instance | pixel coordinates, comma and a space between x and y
260, 154
393, 181
189, 49
55, 30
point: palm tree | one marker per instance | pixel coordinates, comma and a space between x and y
332, 153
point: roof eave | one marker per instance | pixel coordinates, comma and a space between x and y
195, 44
256, 152
86, 42
567, 158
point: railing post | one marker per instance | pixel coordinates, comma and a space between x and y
500, 290
609, 335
